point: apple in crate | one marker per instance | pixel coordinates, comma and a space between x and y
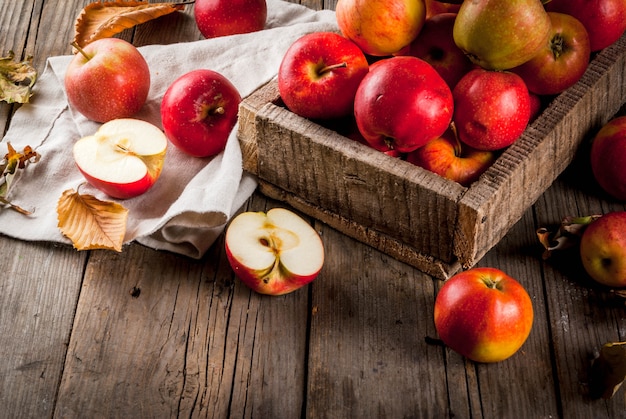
492, 108
319, 75
483, 314
603, 249
273, 253
199, 111
229, 17
123, 158
608, 157
108, 79
402, 103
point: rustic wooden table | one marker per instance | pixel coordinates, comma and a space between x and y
76, 342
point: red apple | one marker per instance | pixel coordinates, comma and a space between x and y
603, 249
198, 112
483, 314
449, 158
319, 75
275, 252
229, 17
123, 158
402, 104
107, 79
608, 157
562, 62
605, 20
492, 108
381, 27
435, 45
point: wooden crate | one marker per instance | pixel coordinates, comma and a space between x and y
431, 223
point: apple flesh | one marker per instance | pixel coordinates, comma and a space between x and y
603, 249
229, 17
199, 111
483, 314
124, 158
273, 253
608, 157
319, 75
108, 79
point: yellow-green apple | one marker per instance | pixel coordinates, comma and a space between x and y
492, 108
107, 79
402, 103
435, 7
381, 27
229, 17
123, 158
483, 314
273, 253
608, 157
198, 112
605, 20
436, 46
562, 61
501, 34
451, 159
603, 249
319, 75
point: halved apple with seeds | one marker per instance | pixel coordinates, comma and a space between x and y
274, 253
124, 158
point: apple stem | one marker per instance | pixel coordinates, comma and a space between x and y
82, 51
329, 68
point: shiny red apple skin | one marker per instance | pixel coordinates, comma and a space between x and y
605, 20
402, 104
435, 45
603, 249
449, 158
121, 190
216, 18
198, 112
483, 314
312, 81
561, 63
492, 108
608, 157
113, 83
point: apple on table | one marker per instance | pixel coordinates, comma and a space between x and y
229, 17
275, 252
608, 157
319, 75
124, 158
199, 111
107, 79
603, 249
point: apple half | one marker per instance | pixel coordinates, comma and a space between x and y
124, 158
273, 253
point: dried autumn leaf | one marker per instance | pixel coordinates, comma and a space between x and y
608, 370
91, 223
12, 162
568, 235
103, 19
16, 79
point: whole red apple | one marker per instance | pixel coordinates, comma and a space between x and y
402, 103
273, 253
605, 20
229, 17
449, 158
107, 79
608, 157
483, 314
562, 62
381, 27
603, 249
198, 112
492, 108
319, 75
435, 45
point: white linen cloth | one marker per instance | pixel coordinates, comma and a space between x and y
190, 204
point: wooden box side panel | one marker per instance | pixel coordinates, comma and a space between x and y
356, 182
517, 179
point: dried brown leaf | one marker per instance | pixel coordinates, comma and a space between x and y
103, 19
568, 234
91, 223
16, 79
608, 370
